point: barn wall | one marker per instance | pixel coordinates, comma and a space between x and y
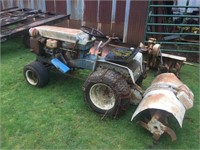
123, 18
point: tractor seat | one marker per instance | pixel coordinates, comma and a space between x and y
121, 55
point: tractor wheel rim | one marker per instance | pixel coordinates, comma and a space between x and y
31, 77
102, 96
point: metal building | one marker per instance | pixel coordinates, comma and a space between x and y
123, 18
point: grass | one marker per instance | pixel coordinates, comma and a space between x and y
56, 117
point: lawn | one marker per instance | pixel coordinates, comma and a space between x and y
56, 117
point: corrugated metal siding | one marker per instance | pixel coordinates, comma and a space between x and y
61, 7
120, 11
105, 11
90, 11
50, 5
76, 7
15, 3
5, 4
26, 3
137, 21
1, 7
124, 18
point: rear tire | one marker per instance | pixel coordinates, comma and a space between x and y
107, 92
36, 74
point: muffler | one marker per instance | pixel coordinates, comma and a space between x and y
167, 96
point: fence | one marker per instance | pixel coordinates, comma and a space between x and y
177, 31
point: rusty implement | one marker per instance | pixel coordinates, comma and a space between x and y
167, 96
17, 21
154, 59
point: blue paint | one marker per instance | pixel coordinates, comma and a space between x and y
59, 65
86, 62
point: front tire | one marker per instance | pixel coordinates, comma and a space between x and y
107, 92
36, 74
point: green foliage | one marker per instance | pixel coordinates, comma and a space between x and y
121, 52
56, 117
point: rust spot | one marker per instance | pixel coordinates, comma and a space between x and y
106, 49
168, 78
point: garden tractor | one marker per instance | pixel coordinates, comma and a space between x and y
117, 73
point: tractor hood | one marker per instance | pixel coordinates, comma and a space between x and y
62, 34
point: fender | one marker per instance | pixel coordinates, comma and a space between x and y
124, 70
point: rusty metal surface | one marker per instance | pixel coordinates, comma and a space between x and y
163, 62
35, 46
105, 49
137, 22
120, 11
67, 35
90, 11
162, 100
76, 24
166, 95
18, 22
118, 29
169, 81
61, 7
182, 92
10, 10
105, 10
157, 128
50, 6
59, 33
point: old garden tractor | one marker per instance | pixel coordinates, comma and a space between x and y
116, 75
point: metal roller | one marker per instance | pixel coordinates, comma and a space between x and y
166, 96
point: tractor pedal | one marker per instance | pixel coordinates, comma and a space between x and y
59, 65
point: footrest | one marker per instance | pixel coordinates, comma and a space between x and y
59, 65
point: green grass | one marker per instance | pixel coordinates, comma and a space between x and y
56, 117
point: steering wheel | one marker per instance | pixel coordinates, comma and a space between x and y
92, 32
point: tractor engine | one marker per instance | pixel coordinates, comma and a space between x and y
57, 41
